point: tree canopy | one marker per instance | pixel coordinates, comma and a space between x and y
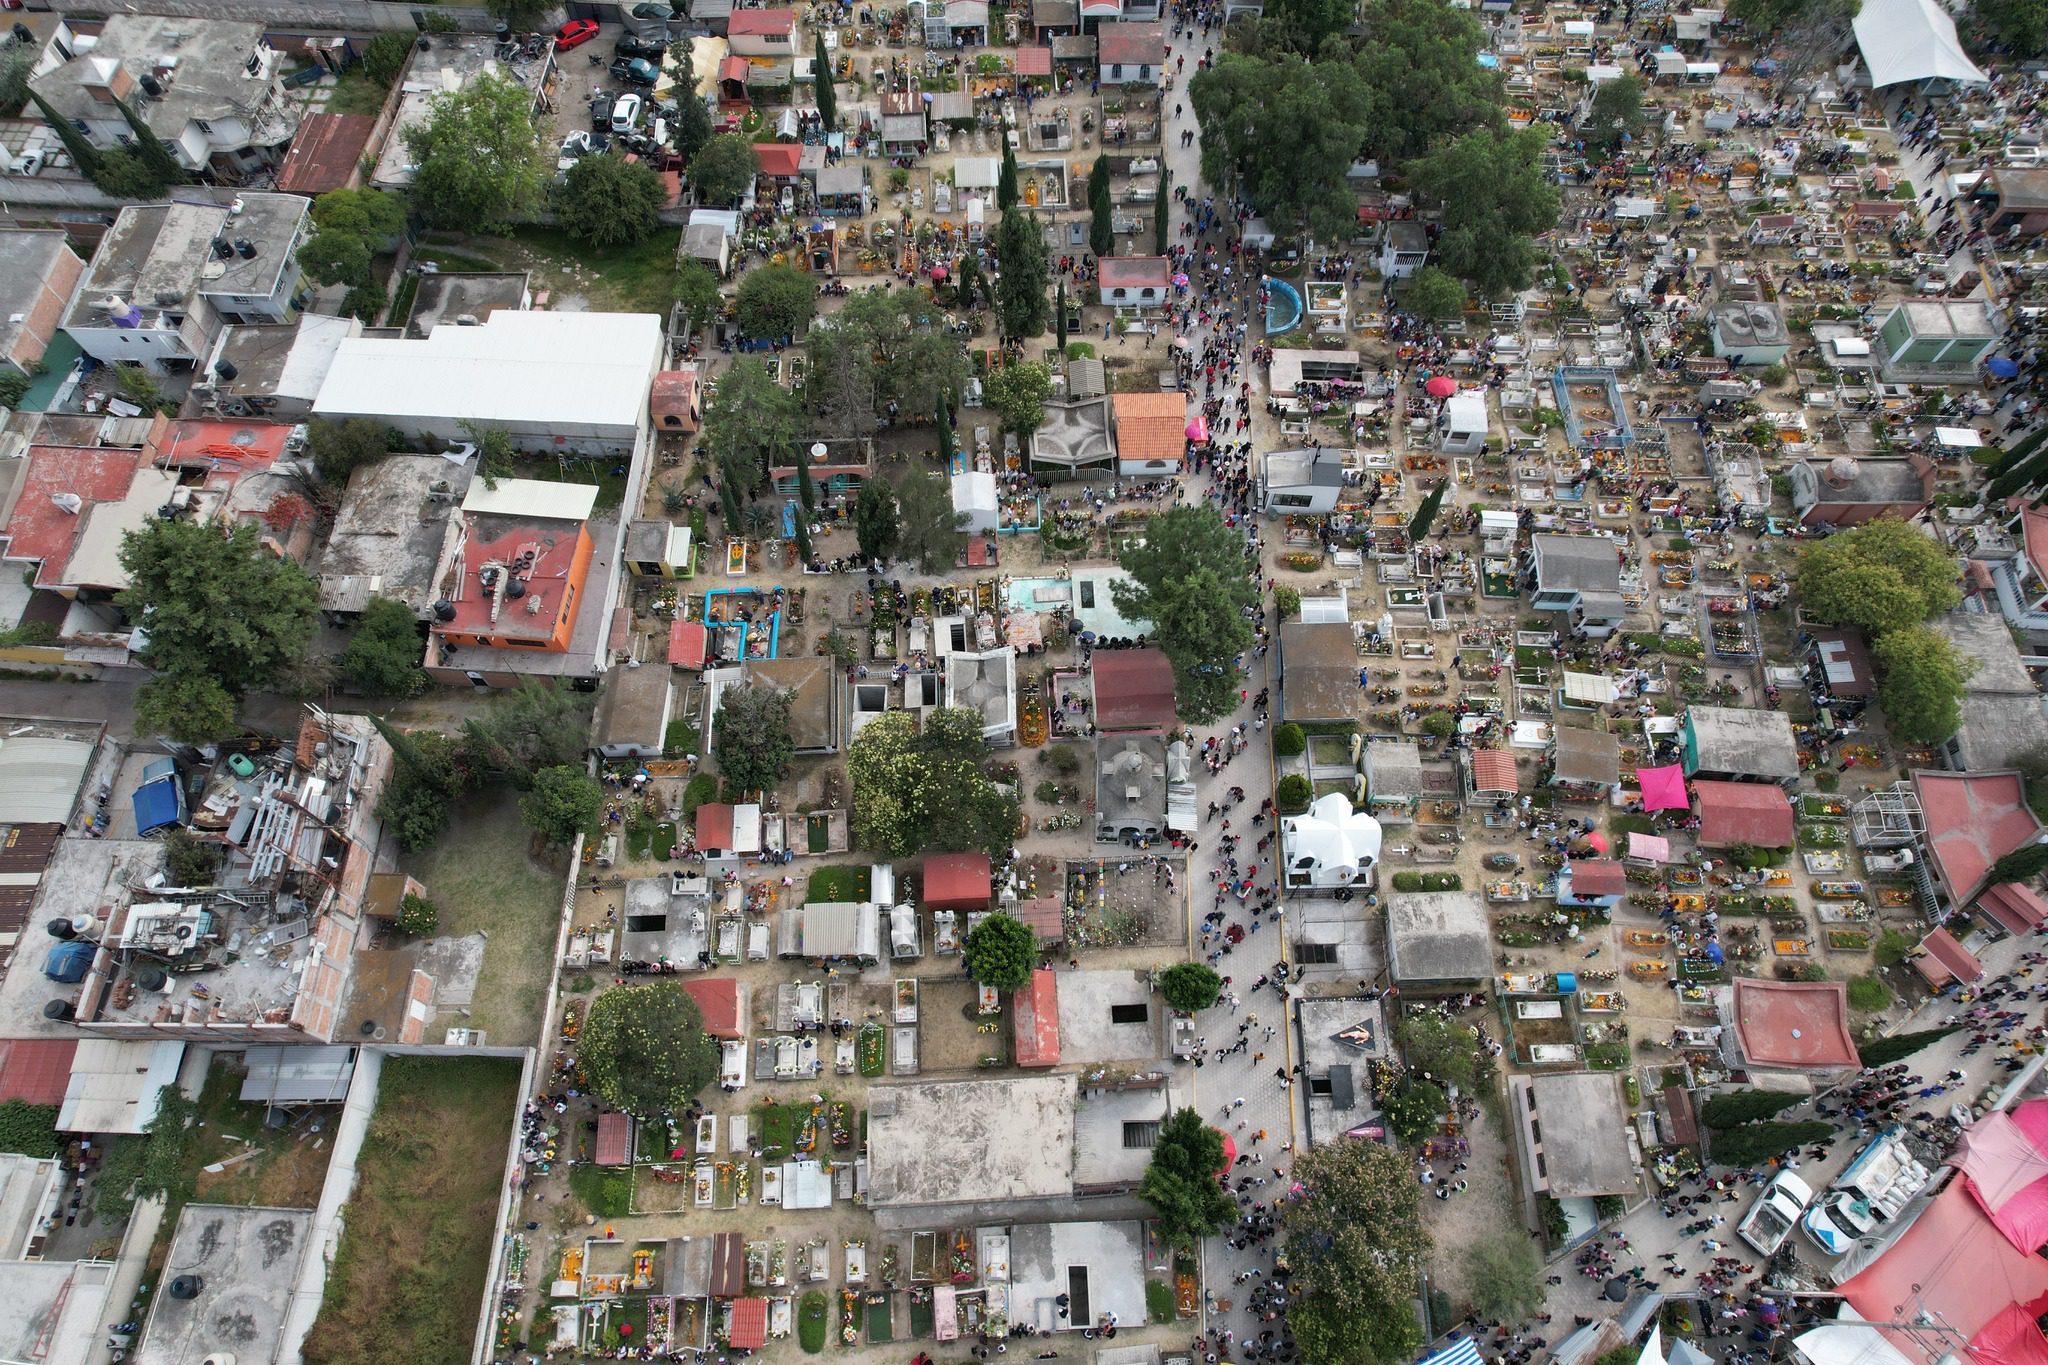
1920, 681
882, 346
1496, 199
339, 449
1755, 1142
1021, 259
1616, 113
384, 651
1190, 987
916, 789
1765, 15
526, 728
724, 166
775, 301
1423, 84
2022, 25
750, 423
874, 520
697, 290
224, 616
1017, 393
1433, 295
1190, 579
1883, 575
1899, 1046
1505, 1275
1439, 1049
1001, 952
929, 530
610, 202
644, 1050
1283, 132
564, 801
1183, 1182
477, 156
350, 227
750, 736
1356, 1243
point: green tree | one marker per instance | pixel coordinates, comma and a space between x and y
828, 100
1356, 1244
1899, 1046
750, 737
417, 916
1756, 1142
690, 130
644, 1050
2021, 24
123, 174
874, 520
30, 1129
775, 301
188, 706
385, 56
1421, 79
1733, 1108
224, 615
1496, 199
1001, 951
376, 217
1881, 576
1289, 740
365, 302
426, 777
1307, 24
1007, 196
150, 149
1101, 232
1920, 683
1616, 114
2022, 466
477, 157
1189, 579
1190, 987
1439, 1049
917, 788
750, 423
725, 166
1059, 320
1020, 287
84, 156
1017, 393
336, 258
1284, 132
1505, 1275
2023, 864
841, 377
1414, 1110
14, 386
563, 802
16, 64
384, 651
929, 530
1425, 515
1433, 295
697, 290
1183, 1181
527, 728
190, 860
1161, 235
611, 202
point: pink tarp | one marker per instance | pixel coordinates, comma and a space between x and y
1649, 848
1663, 788
1198, 429
2009, 1177
1947, 1264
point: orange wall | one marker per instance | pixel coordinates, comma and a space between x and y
565, 609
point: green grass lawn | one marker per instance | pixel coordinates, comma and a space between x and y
638, 279
482, 879
605, 1191
776, 1123
838, 884
447, 258
1159, 1301
356, 93
813, 1320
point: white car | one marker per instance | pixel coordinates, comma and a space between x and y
575, 147
626, 114
1769, 1221
1835, 1222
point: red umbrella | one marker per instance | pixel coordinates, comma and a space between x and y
1229, 1150
1597, 842
1440, 386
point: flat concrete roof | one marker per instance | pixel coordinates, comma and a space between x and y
247, 1263
1089, 1030
1438, 936
391, 535
1755, 743
954, 1142
54, 1312
1101, 1160
1584, 1127
1044, 1255
1340, 1038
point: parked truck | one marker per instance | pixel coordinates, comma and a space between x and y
1769, 1221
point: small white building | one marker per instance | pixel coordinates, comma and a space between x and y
1135, 281
1404, 249
1461, 426
1329, 848
974, 496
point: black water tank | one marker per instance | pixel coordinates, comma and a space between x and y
226, 369
516, 589
245, 248
151, 979
444, 610
223, 248
59, 1009
425, 43
186, 1286
61, 928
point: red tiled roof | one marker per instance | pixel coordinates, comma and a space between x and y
754, 21
981, 552
614, 1132
1947, 960
2017, 908
326, 153
674, 394
1133, 689
1754, 813
1043, 915
714, 825
687, 642
749, 1315
1803, 1025
1037, 1014
1133, 272
226, 450
1130, 44
734, 68
956, 881
36, 1071
1150, 426
1034, 61
779, 159
1597, 877
41, 530
718, 1000
1493, 770
1973, 820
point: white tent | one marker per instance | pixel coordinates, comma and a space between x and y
1332, 844
1591, 688
1912, 40
974, 493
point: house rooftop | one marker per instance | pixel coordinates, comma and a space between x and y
1134, 272
1074, 433
1438, 936
1903, 480
2020, 189
156, 257
208, 75
1150, 426
451, 62
327, 154
287, 360
1800, 1025
1586, 756
27, 256
634, 707
814, 713
390, 538
244, 1264
1133, 689
1393, 769
1585, 1134
1130, 779
1733, 814
42, 529
1582, 563
1755, 743
1131, 44
464, 298
1321, 467
971, 1141
1972, 820
1319, 670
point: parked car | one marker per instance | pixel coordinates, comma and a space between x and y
636, 70
1769, 1221
1837, 1220
601, 109
651, 19
575, 33
629, 47
575, 147
625, 115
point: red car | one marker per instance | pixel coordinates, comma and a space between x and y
575, 32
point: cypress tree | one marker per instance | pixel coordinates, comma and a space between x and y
84, 155
828, 100
1898, 1047
150, 148
1006, 182
1059, 321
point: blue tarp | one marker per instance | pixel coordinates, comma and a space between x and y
69, 961
1457, 1351
156, 806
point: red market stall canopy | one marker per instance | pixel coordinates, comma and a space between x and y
1663, 788
2003, 1163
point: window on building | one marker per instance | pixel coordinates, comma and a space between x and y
1293, 500
1141, 1133
1116, 71
1324, 954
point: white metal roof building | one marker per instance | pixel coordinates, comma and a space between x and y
573, 382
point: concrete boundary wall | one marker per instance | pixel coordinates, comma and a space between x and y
370, 16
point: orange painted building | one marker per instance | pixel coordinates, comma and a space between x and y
521, 567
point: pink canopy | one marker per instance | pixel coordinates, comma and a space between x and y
1663, 788
1198, 429
2007, 1172
1441, 386
1650, 848
1980, 1286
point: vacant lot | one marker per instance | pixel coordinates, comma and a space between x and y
409, 1276
482, 877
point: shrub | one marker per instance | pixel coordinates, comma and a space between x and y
30, 1129
1893, 946
418, 915
1289, 741
190, 860
606, 1192
702, 788
1288, 602
1063, 759
1413, 1110
1293, 794
1869, 995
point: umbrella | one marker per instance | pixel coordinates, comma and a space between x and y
2001, 368
1617, 1289
1597, 841
1183, 344
1441, 386
1716, 954
1198, 429
1229, 1149
939, 272
1180, 281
